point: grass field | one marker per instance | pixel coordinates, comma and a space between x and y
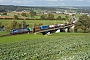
31, 22
58, 46
19, 37
45, 22
4, 33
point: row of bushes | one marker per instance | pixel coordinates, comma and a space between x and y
80, 30
29, 19
21, 18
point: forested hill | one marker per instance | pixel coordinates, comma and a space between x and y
11, 7
4, 8
20, 8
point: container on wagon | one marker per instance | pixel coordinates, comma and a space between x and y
35, 29
44, 27
51, 26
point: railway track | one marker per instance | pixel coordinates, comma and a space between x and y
6, 35
10, 35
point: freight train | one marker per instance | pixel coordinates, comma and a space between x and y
36, 29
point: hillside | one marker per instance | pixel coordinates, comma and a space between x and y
61, 46
85, 9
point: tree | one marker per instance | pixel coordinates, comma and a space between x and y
73, 14
50, 16
24, 14
63, 18
32, 14
7, 27
13, 24
83, 22
18, 26
43, 17
66, 18
15, 16
59, 18
23, 24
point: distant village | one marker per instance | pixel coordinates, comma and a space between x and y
69, 12
18, 10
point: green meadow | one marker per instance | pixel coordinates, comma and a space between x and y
58, 46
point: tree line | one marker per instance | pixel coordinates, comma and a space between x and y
13, 24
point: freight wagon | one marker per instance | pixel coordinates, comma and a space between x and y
44, 27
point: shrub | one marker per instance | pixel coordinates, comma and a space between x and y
15, 16
71, 29
80, 30
7, 27
88, 30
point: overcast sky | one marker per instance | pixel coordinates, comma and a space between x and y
46, 2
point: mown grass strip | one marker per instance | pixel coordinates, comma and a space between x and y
31, 36
20, 37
